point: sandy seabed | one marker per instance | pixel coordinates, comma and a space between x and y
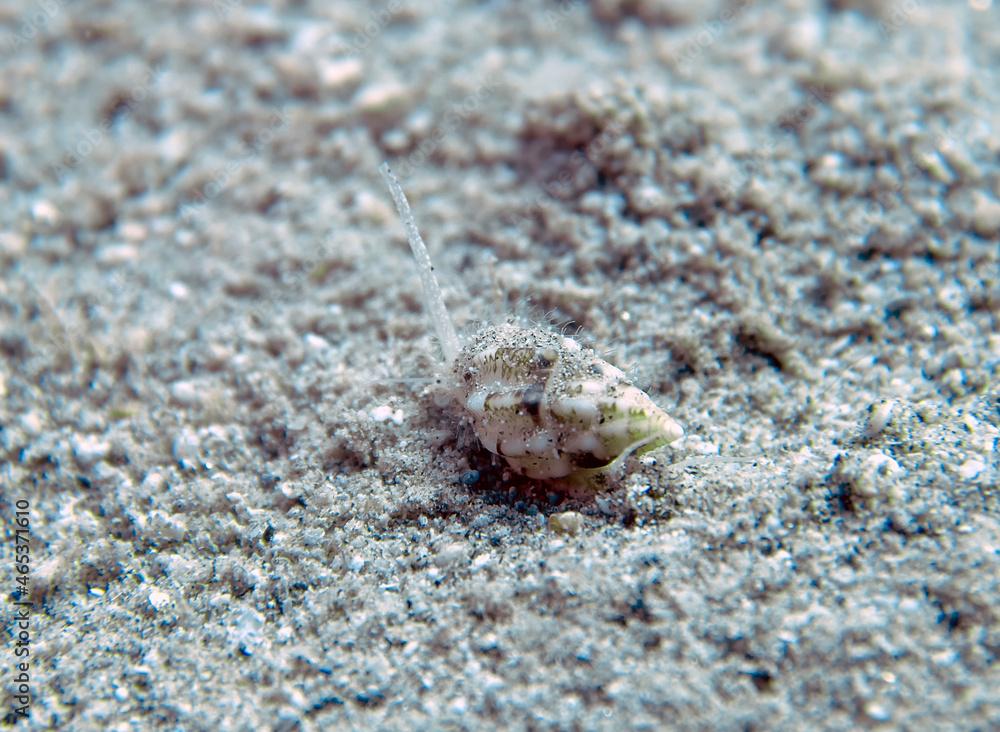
247, 510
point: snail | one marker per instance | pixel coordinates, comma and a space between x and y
549, 406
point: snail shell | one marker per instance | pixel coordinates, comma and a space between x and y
553, 408
546, 404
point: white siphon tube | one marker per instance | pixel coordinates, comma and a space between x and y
433, 299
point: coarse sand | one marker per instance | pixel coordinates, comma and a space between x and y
246, 509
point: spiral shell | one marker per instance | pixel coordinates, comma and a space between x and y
546, 404
552, 408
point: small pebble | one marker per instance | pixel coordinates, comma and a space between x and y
185, 393
357, 563
386, 413
567, 522
186, 447
954, 379
158, 599
878, 712
297, 73
13, 244
802, 37
372, 209
381, 100
876, 476
117, 254
153, 481
986, 216
89, 449
879, 415
481, 562
970, 469
31, 422
316, 343
133, 231
339, 74
450, 555
45, 212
